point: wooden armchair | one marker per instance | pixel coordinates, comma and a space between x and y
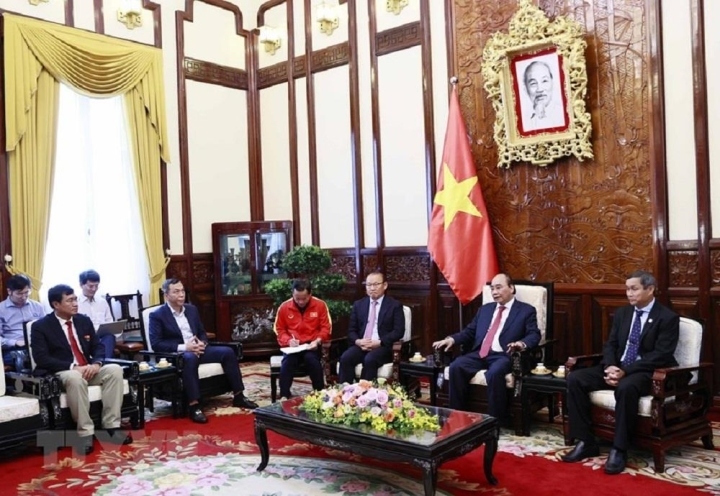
541, 296
26, 411
62, 418
675, 413
213, 381
131, 342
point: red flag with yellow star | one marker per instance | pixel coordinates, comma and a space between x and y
460, 237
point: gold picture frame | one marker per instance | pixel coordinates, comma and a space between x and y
536, 79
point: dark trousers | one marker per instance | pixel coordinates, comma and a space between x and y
291, 362
108, 341
582, 382
223, 355
371, 362
462, 369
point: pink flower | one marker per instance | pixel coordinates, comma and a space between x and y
362, 401
212, 479
355, 486
198, 466
397, 403
382, 397
133, 487
371, 394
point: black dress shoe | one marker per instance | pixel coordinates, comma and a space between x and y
84, 445
197, 416
616, 461
241, 401
119, 437
581, 451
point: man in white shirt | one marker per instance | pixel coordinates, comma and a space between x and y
96, 308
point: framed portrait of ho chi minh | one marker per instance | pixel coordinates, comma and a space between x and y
536, 79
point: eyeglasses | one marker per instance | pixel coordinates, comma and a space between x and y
374, 284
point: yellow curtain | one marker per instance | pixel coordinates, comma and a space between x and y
38, 55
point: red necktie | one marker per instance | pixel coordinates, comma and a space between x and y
490, 336
77, 352
371, 323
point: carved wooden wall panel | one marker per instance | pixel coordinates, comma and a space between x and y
570, 222
683, 268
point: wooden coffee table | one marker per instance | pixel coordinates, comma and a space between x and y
460, 433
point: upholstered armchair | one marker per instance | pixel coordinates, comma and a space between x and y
62, 418
26, 411
675, 413
213, 381
389, 371
541, 296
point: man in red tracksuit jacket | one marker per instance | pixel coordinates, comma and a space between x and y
302, 320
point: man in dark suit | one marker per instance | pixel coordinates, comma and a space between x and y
498, 328
643, 337
176, 327
64, 343
376, 322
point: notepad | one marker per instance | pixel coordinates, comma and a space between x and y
289, 350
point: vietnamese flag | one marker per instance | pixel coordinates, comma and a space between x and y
460, 236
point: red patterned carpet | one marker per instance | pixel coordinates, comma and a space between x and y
174, 457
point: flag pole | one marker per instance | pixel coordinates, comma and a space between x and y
454, 81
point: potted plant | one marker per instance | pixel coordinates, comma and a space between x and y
312, 263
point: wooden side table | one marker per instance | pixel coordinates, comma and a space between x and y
151, 377
542, 384
422, 369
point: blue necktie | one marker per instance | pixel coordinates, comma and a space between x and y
633, 346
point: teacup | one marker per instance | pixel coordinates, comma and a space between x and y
540, 368
417, 356
163, 363
560, 371
144, 366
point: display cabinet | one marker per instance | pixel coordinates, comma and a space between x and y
246, 256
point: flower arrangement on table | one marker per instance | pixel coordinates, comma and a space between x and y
382, 407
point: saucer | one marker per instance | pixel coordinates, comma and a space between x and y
162, 366
559, 376
416, 360
541, 372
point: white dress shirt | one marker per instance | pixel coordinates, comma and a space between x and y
96, 308
496, 340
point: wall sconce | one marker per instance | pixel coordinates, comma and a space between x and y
270, 38
327, 16
130, 13
37, 2
395, 6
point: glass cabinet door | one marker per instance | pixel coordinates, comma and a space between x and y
271, 247
236, 264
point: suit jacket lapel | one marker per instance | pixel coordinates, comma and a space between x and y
171, 320
651, 321
382, 312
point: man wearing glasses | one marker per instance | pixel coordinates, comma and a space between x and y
376, 322
14, 311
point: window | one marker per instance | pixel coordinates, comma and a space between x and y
94, 216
